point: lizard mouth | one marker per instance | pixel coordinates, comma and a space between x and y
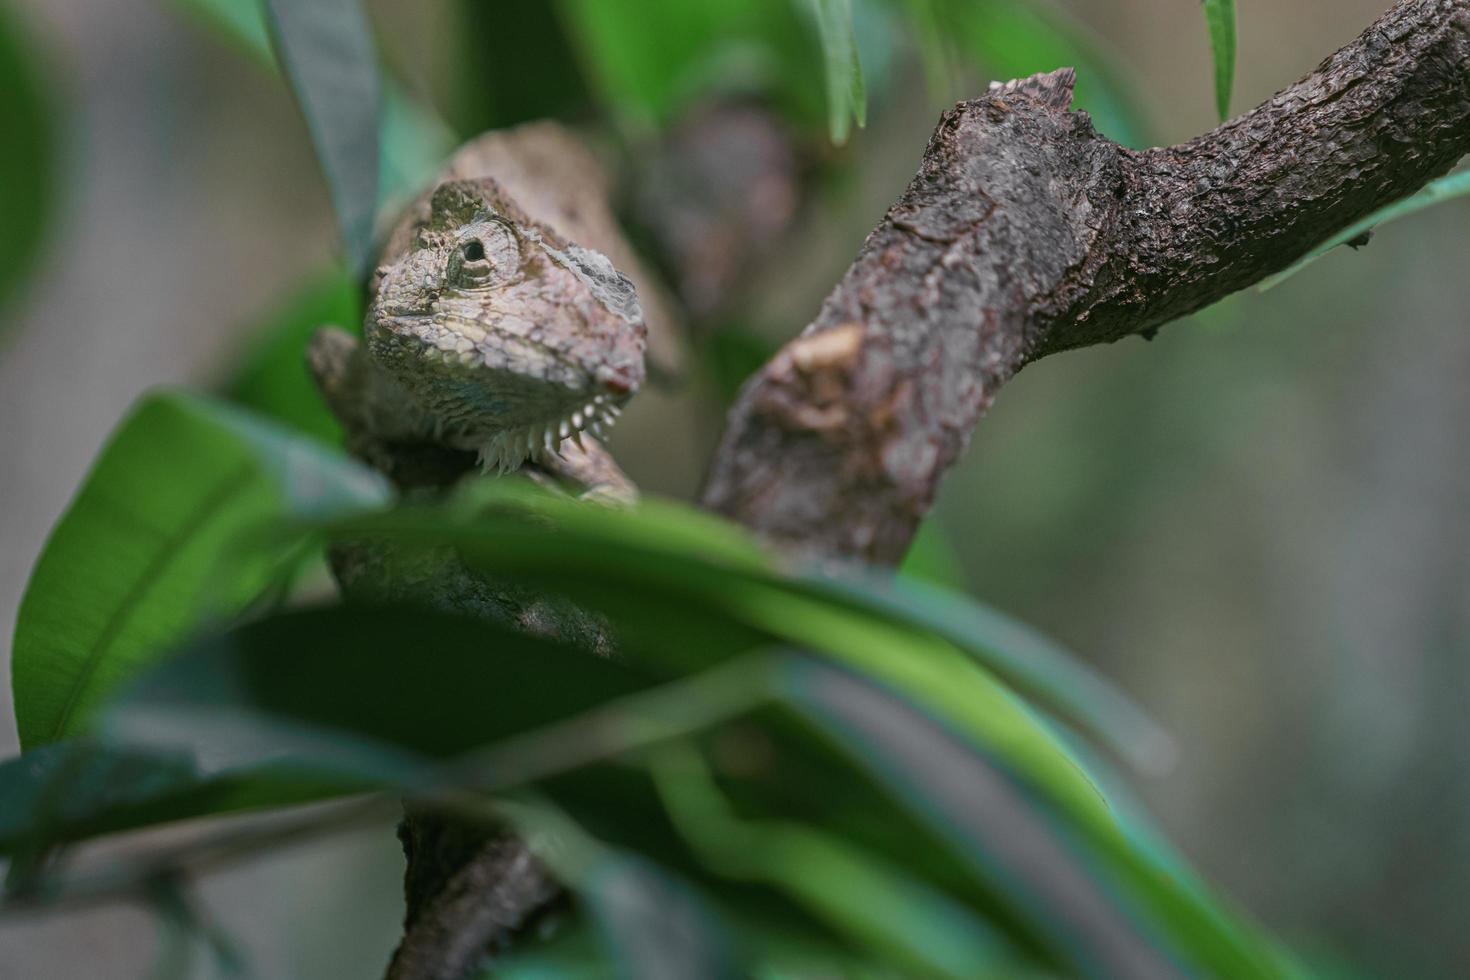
507, 450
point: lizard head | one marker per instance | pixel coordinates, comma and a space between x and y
509, 336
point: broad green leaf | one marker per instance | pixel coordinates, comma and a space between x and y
333, 691
1444, 189
135, 561
719, 569
272, 377
1220, 19
28, 166
341, 685
846, 99
325, 48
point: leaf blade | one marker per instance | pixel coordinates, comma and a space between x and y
27, 167
1446, 188
133, 562
1220, 20
325, 48
846, 96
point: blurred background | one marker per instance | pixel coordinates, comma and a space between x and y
1259, 524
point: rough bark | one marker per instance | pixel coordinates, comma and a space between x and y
1025, 233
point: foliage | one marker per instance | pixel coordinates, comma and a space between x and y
1220, 19
135, 559
771, 737
326, 52
28, 165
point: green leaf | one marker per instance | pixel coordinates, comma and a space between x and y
28, 165
858, 892
1097, 903
413, 141
135, 560
339, 687
1444, 189
70, 791
932, 558
1220, 19
272, 377
240, 22
333, 691
846, 99
650, 59
1035, 666
652, 923
661, 549
326, 50
1011, 39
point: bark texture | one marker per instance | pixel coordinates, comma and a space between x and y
1025, 232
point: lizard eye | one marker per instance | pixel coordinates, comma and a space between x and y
487, 254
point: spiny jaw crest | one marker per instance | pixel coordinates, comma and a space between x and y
508, 449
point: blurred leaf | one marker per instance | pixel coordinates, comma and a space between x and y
652, 924
932, 558
135, 560
28, 165
413, 141
731, 355
632, 562
242, 22
334, 686
936, 47
1099, 904
1220, 19
73, 790
272, 377
531, 73
1444, 189
649, 59
1035, 666
326, 49
181, 925
846, 100
922, 929
1014, 39
333, 691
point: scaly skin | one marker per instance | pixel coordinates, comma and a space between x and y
508, 338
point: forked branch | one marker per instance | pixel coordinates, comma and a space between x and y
1025, 232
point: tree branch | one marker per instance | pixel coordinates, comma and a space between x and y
1026, 233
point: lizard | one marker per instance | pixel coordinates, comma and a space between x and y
489, 332
490, 339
